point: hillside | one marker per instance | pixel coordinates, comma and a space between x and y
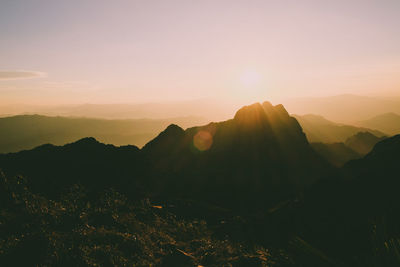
320, 130
358, 213
109, 229
28, 131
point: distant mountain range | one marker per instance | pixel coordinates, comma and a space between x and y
28, 131
205, 108
347, 108
388, 123
319, 129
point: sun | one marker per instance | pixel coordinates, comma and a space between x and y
250, 78
250, 85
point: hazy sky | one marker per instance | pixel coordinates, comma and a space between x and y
103, 51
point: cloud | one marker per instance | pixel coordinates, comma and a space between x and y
20, 74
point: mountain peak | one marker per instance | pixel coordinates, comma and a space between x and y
86, 141
166, 140
173, 128
267, 105
281, 109
249, 111
250, 116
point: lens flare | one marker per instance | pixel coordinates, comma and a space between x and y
203, 140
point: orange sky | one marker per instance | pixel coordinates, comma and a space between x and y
61, 52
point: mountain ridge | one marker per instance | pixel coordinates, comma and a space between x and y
247, 155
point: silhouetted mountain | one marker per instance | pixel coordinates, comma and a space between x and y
29, 131
363, 142
321, 130
51, 169
260, 156
336, 153
166, 141
388, 123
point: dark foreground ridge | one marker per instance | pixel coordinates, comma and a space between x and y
249, 191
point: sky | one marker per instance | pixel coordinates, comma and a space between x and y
101, 51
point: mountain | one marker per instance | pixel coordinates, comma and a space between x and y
259, 156
388, 123
363, 142
28, 131
51, 169
320, 130
336, 153
345, 108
